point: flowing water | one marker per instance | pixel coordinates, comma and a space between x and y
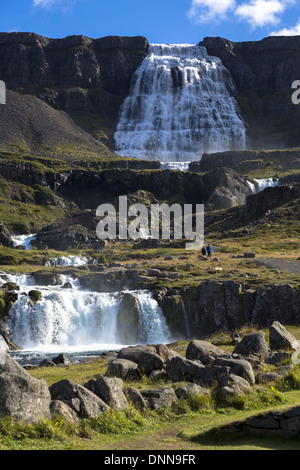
181, 104
78, 322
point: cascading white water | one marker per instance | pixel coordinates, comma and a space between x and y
181, 104
75, 319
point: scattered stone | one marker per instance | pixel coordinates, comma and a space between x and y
133, 353
280, 338
190, 389
80, 399
253, 344
22, 397
203, 351
61, 409
239, 367
136, 398
150, 361
110, 390
123, 369
179, 368
159, 398
232, 385
61, 359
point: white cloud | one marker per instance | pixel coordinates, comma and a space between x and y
203, 11
48, 4
294, 31
259, 13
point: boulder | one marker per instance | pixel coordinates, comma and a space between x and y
232, 385
61, 359
149, 362
190, 389
22, 397
159, 398
5, 331
211, 375
5, 237
203, 351
123, 369
280, 338
80, 399
133, 353
3, 343
163, 351
136, 398
110, 390
180, 368
60, 409
254, 344
239, 367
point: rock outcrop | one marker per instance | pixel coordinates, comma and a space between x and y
263, 72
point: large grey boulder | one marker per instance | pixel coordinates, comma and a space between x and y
254, 344
3, 343
159, 398
21, 396
80, 399
281, 338
191, 389
60, 409
211, 375
136, 398
239, 367
180, 368
149, 362
110, 390
231, 386
202, 351
133, 353
123, 369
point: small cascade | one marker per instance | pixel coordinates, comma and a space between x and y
181, 104
186, 319
261, 184
23, 240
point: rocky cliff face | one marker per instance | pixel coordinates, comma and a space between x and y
86, 78
264, 72
75, 72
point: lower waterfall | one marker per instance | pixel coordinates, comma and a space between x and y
76, 321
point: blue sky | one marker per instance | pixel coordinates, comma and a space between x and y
160, 21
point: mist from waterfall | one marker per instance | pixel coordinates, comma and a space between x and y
181, 104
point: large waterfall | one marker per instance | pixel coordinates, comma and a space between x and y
181, 104
77, 320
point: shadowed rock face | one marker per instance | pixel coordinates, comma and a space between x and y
264, 72
58, 70
86, 78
